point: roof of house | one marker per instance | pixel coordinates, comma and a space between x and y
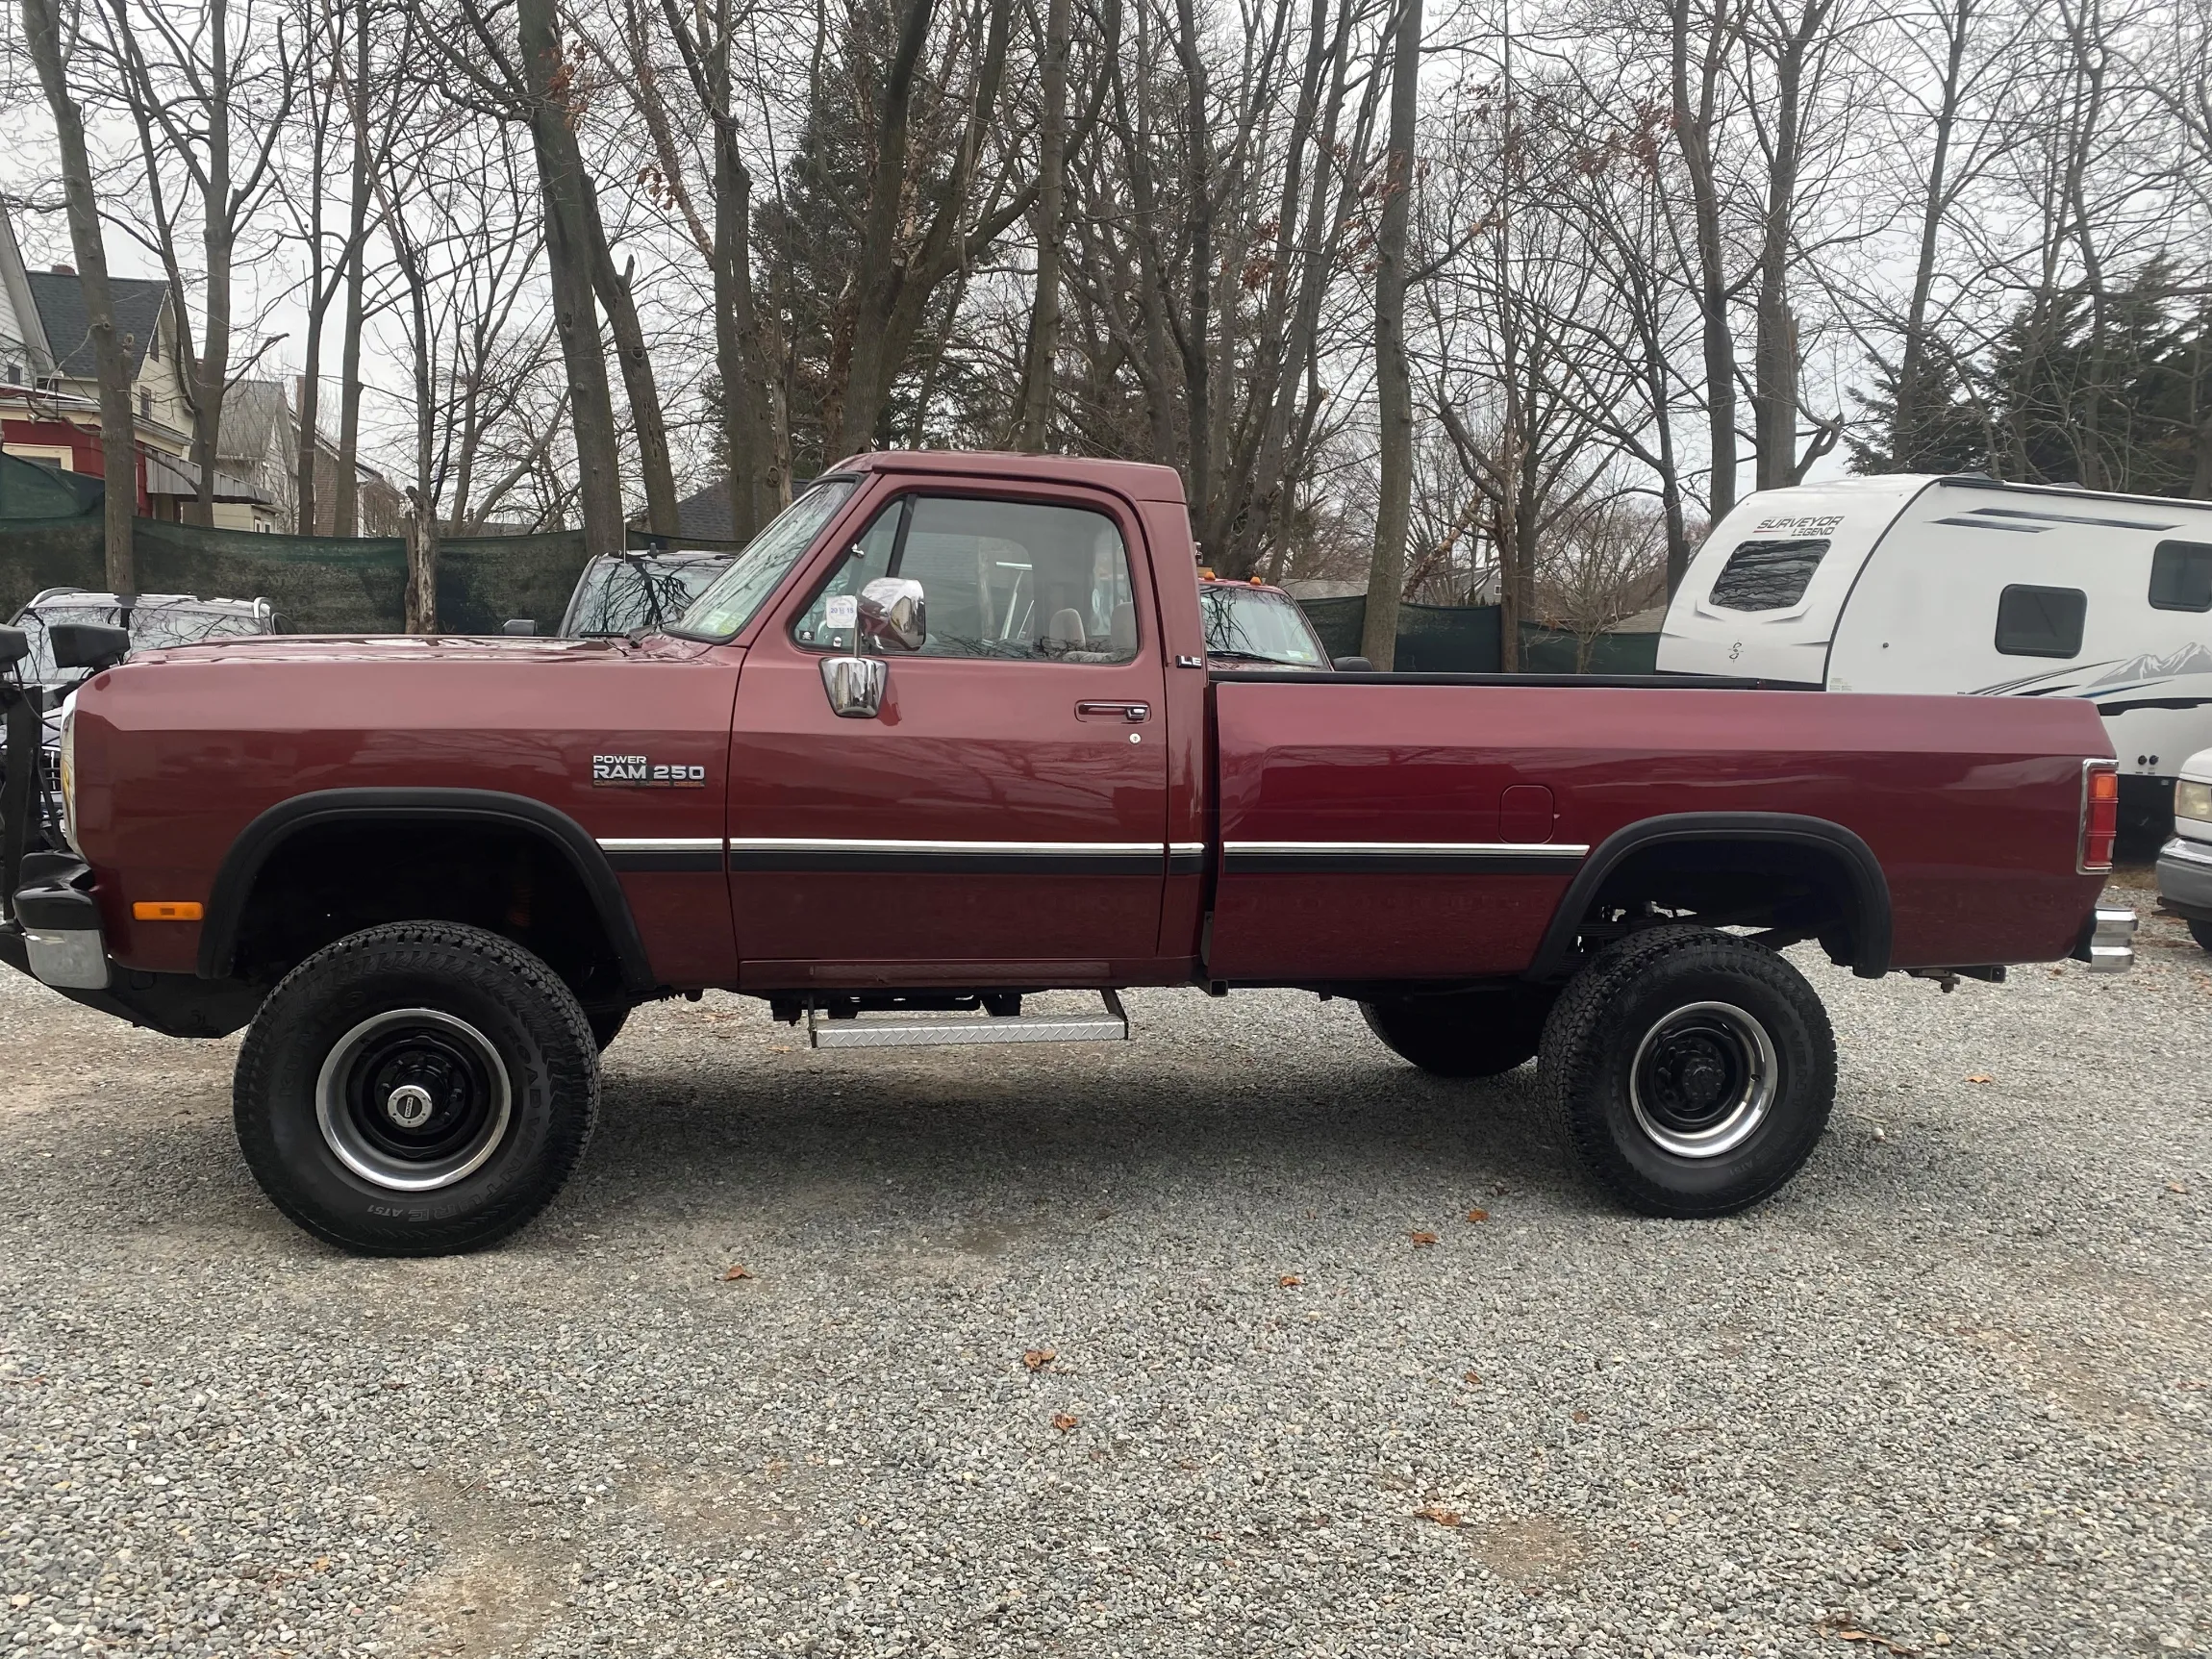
705, 512
61, 300
251, 412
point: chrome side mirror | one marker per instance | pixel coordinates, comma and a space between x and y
892, 612
855, 686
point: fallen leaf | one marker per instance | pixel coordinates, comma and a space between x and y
1579, 1416
1847, 1633
2176, 1187
1437, 1513
1478, 1215
735, 1270
1036, 1359
1971, 1078
1421, 1238
779, 1048
1290, 1281
1474, 1378
1062, 1422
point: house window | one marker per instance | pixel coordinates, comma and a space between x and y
2040, 621
145, 406
2182, 576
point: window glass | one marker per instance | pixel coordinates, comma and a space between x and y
624, 590
2182, 576
1768, 575
724, 609
1251, 622
1007, 579
2040, 621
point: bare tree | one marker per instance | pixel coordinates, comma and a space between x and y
1394, 378
113, 353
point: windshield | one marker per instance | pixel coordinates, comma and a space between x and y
624, 591
152, 628
723, 610
1255, 622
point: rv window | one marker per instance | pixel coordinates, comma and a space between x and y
2040, 621
1766, 575
2182, 576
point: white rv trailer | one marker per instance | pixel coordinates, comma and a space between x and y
1965, 584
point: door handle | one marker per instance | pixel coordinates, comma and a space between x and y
1133, 713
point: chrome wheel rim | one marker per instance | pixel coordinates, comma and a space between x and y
414, 1100
1703, 1080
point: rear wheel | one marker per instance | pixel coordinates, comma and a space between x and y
1463, 1032
2202, 933
1691, 1072
416, 1090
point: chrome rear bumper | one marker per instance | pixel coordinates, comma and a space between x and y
2108, 942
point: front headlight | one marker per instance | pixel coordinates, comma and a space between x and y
2193, 800
69, 774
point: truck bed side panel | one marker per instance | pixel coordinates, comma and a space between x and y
1970, 805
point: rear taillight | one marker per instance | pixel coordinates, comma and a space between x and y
2099, 815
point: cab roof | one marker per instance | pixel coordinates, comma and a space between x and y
1136, 480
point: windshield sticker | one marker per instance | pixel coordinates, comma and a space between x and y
842, 611
641, 772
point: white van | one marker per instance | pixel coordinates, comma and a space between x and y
1965, 584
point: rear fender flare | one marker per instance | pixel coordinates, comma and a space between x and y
242, 865
1870, 886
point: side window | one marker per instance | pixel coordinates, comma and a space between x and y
2040, 621
2182, 576
1007, 579
1768, 575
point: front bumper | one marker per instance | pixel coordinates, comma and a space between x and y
2185, 878
63, 945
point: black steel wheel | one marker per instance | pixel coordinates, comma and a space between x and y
1477, 1033
1691, 1072
416, 1090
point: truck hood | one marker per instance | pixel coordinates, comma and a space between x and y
444, 648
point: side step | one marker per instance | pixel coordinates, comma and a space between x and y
915, 1030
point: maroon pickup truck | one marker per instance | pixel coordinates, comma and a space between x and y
953, 731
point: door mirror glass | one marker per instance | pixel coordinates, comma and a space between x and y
891, 613
855, 686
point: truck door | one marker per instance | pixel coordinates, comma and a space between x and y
1001, 818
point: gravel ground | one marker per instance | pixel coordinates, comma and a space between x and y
1947, 1392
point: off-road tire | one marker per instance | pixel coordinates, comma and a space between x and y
523, 1027
2202, 933
1466, 1033
1665, 985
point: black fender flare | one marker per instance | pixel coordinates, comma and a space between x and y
1870, 886
242, 865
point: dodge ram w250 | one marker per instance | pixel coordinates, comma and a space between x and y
946, 734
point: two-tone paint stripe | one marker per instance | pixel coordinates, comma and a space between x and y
812, 854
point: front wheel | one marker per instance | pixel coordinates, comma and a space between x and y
2202, 933
1691, 1072
416, 1090
1477, 1033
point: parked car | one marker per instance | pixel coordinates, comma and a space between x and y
1249, 624
154, 620
1965, 585
974, 752
619, 593
2185, 862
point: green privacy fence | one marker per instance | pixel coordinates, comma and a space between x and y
318, 584
1466, 639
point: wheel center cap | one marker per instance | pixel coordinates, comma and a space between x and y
410, 1106
1702, 1077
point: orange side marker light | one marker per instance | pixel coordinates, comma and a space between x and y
166, 910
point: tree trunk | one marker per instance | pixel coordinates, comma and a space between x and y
1907, 420
1198, 332
118, 436
1034, 409
1385, 575
345, 490
1693, 132
214, 370
568, 259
